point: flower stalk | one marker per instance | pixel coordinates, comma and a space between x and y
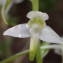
34, 42
35, 5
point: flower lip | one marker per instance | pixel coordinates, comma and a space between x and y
33, 14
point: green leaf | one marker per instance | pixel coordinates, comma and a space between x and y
11, 58
5, 8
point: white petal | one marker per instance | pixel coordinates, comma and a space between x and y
20, 31
33, 14
48, 35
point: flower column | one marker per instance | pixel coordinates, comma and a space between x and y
34, 41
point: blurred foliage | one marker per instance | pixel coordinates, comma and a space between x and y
11, 21
8, 2
47, 5
2, 49
5, 48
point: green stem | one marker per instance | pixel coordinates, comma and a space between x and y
39, 55
14, 57
5, 6
33, 47
3, 14
35, 5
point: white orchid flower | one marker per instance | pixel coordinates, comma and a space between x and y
46, 33
37, 29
